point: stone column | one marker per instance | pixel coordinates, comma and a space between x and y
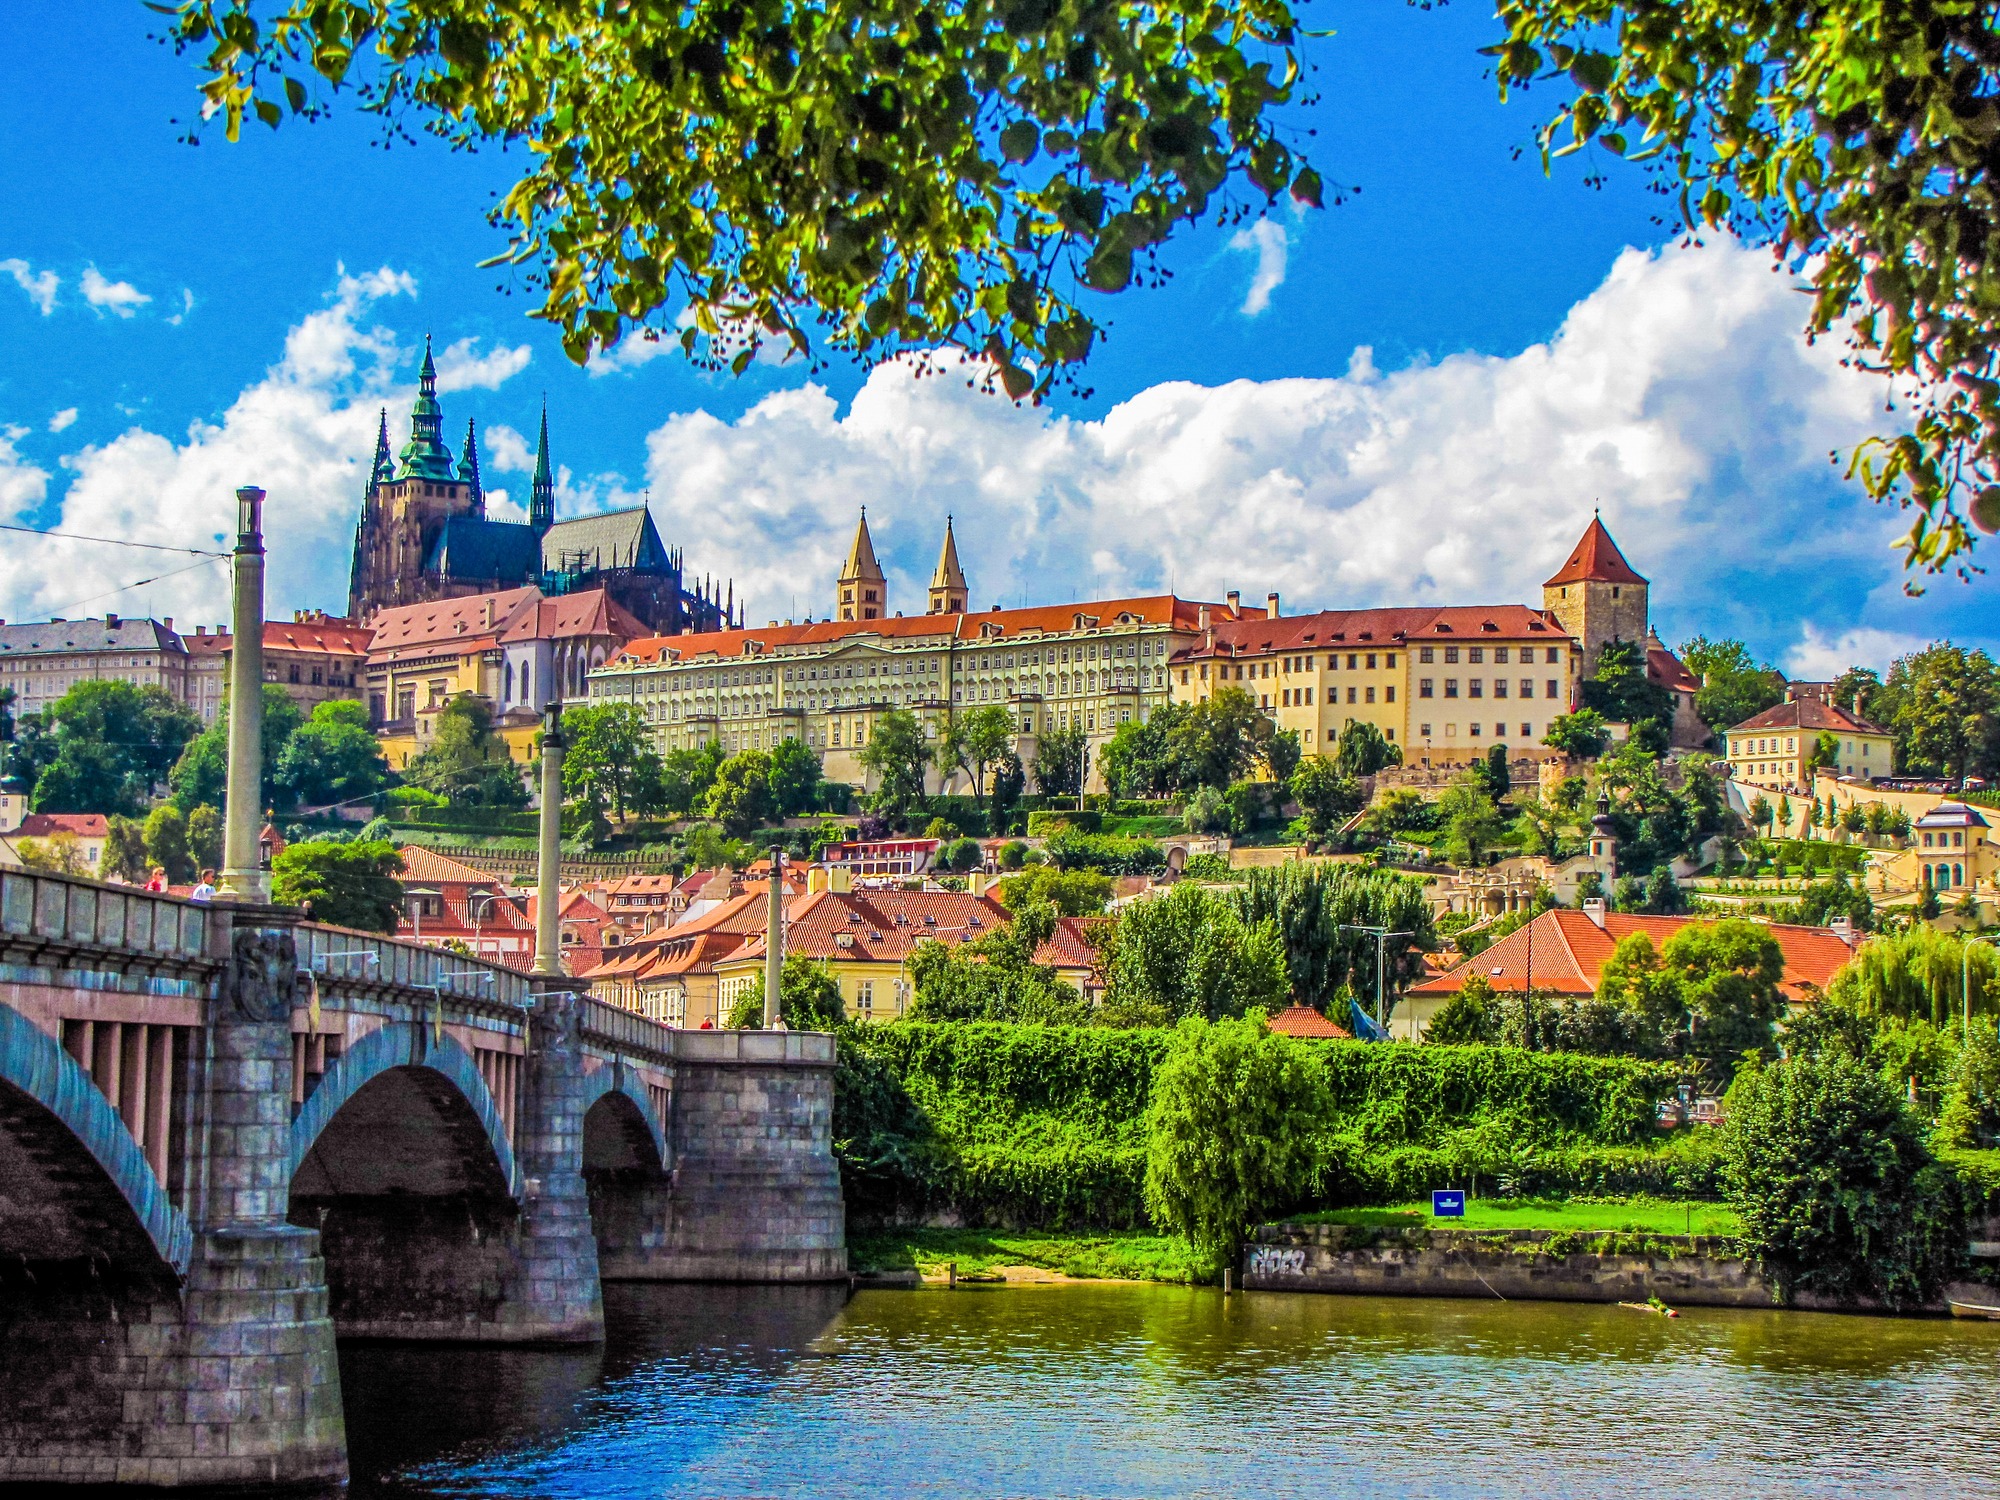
243, 876
548, 856
553, 1296
774, 944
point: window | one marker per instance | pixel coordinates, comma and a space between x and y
1451, 687
1389, 693
1371, 695
1478, 687
1424, 730
1500, 656
1555, 655
1527, 687
1476, 653
1475, 730
1389, 661
1424, 691
1350, 695
1527, 731
1450, 654
1424, 656
1555, 688
1499, 687
1371, 661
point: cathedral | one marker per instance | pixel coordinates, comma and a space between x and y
424, 534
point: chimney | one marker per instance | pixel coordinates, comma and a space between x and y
201, 630
1594, 909
168, 622
1234, 599
1271, 606
1842, 927
110, 620
1201, 618
818, 878
839, 880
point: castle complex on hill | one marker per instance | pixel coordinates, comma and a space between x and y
424, 535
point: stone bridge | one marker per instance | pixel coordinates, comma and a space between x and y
227, 1137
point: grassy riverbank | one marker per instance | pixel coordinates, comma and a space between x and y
1631, 1215
985, 1253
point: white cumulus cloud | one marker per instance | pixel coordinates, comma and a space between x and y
1678, 396
120, 298
23, 485
62, 419
1820, 655
461, 367
41, 286
1266, 240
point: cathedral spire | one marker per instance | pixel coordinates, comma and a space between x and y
863, 592
468, 471
948, 590
542, 496
425, 455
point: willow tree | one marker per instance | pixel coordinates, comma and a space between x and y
905, 175
1859, 140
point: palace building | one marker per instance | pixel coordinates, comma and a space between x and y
424, 535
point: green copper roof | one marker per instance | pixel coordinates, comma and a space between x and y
425, 455
542, 494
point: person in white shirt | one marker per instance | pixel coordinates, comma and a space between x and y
204, 889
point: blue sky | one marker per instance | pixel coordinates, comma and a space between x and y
1517, 370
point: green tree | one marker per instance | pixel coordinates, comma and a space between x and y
1581, 734
167, 843
1621, 691
329, 760
896, 754
1825, 753
1472, 822
1837, 1192
1855, 690
974, 739
1469, 1018
922, 221
1189, 953
1218, 740
1970, 1119
1062, 763
740, 798
1729, 973
348, 885
1234, 1132
1327, 796
1139, 759
1361, 749
808, 999
61, 853
125, 850
1636, 979
1920, 973
1072, 893
610, 763
1760, 811
1493, 770
1320, 912
687, 775
1734, 686
1945, 712
794, 776
995, 977
467, 762
1281, 755
204, 837
104, 746
1010, 780
201, 774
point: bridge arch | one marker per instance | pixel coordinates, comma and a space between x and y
64, 1147
405, 1050
621, 1129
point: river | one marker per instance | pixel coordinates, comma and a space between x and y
1129, 1390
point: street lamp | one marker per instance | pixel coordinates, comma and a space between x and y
480, 906
1381, 935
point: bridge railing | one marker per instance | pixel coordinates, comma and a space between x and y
369, 959
58, 910
614, 1026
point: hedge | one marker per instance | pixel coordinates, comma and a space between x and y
467, 820
1042, 824
997, 1125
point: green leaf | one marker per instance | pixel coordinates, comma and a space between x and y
1306, 187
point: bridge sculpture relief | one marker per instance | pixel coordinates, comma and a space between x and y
228, 1137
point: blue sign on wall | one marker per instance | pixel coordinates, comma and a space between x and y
1448, 1203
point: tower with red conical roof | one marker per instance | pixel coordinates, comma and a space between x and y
1597, 595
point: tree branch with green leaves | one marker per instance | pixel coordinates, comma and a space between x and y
906, 175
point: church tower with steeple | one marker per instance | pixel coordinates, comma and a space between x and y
863, 592
1598, 596
948, 591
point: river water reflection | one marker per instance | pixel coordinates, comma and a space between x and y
1115, 1390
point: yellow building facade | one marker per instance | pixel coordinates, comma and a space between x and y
1775, 750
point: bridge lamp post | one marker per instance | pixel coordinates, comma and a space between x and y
548, 863
1381, 936
243, 878
481, 905
774, 944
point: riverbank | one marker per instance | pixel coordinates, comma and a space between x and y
1026, 1255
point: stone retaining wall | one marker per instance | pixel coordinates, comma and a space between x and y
1517, 1264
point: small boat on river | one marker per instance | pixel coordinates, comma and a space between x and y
1971, 1299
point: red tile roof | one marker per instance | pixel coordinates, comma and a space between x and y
1566, 951
1595, 559
592, 612
1156, 609
1808, 714
422, 866
81, 825
1304, 1021
815, 923
1667, 669
334, 637
417, 629
1357, 629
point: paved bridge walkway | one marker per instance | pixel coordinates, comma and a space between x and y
227, 1137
